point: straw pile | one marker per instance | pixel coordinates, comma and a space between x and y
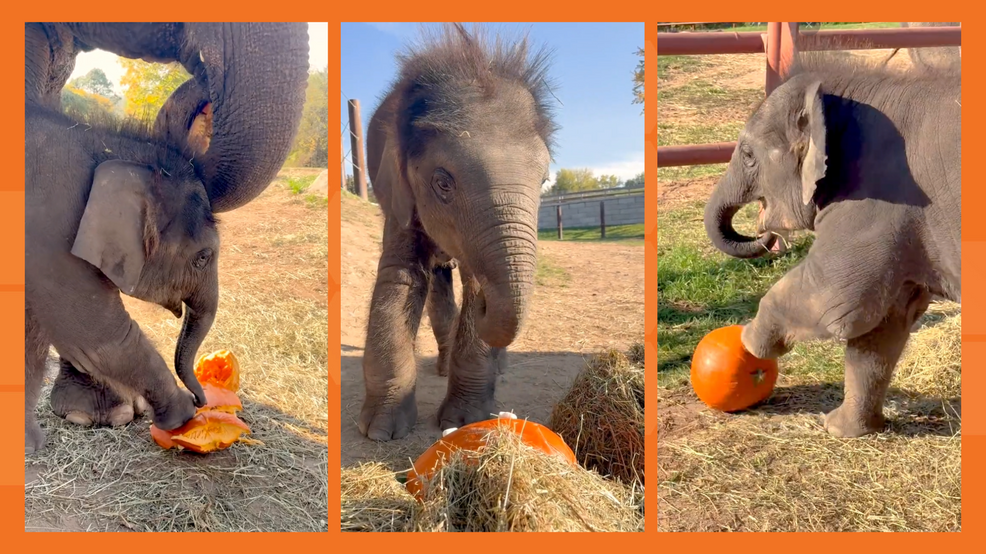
506, 486
602, 416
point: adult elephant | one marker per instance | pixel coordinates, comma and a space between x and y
871, 161
235, 120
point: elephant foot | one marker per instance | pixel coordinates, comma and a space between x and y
34, 437
847, 423
456, 411
381, 420
82, 401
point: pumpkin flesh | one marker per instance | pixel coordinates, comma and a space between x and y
473, 438
221, 368
727, 377
206, 432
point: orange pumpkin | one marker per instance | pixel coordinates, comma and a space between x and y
208, 431
726, 376
220, 368
472, 437
220, 399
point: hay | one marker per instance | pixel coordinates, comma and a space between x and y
507, 486
373, 500
602, 416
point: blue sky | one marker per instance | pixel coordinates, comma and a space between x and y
318, 52
592, 68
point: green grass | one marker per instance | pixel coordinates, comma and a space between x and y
684, 64
549, 274
701, 289
299, 185
613, 232
824, 25
705, 97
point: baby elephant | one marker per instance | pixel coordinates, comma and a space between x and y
457, 152
871, 162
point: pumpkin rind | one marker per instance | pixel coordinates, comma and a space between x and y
220, 368
220, 399
206, 432
725, 376
472, 437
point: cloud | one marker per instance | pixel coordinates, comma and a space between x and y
626, 168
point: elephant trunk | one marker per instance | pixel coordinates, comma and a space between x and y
256, 72
200, 312
508, 263
730, 195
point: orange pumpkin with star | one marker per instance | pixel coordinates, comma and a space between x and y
725, 376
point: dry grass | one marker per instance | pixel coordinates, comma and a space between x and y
775, 469
506, 486
602, 415
273, 315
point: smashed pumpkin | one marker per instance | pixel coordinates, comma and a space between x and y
208, 431
220, 368
726, 376
215, 425
472, 437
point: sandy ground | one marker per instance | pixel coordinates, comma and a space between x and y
594, 301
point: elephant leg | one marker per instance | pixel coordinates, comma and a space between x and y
389, 369
35, 353
870, 362
80, 399
442, 312
473, 367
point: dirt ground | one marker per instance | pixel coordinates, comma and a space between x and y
590, 298
273, 315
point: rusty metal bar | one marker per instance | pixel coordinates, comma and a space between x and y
724, 42
695, 154
781, 46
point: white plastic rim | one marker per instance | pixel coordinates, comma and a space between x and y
446, 432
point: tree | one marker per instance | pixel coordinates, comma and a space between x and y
311, 144
638, 81
95, 82
85, 106
637, 182
573, 180
608, 181
148, 85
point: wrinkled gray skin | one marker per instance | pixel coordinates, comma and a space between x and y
940, 57
132, 209
872, 164
457, 153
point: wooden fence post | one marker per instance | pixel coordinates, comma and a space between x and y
602, 219
356, 131
558, 210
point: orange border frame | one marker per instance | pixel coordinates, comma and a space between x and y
12, 280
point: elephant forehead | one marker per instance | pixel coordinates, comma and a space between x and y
495, 156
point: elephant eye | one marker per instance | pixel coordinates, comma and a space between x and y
443, 184
747, 154
202, 258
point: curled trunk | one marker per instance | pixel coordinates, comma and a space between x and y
199, 314
730, 195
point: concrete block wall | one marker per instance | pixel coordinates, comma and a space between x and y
620, 210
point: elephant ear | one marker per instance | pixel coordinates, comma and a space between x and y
119, 231
811, 126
